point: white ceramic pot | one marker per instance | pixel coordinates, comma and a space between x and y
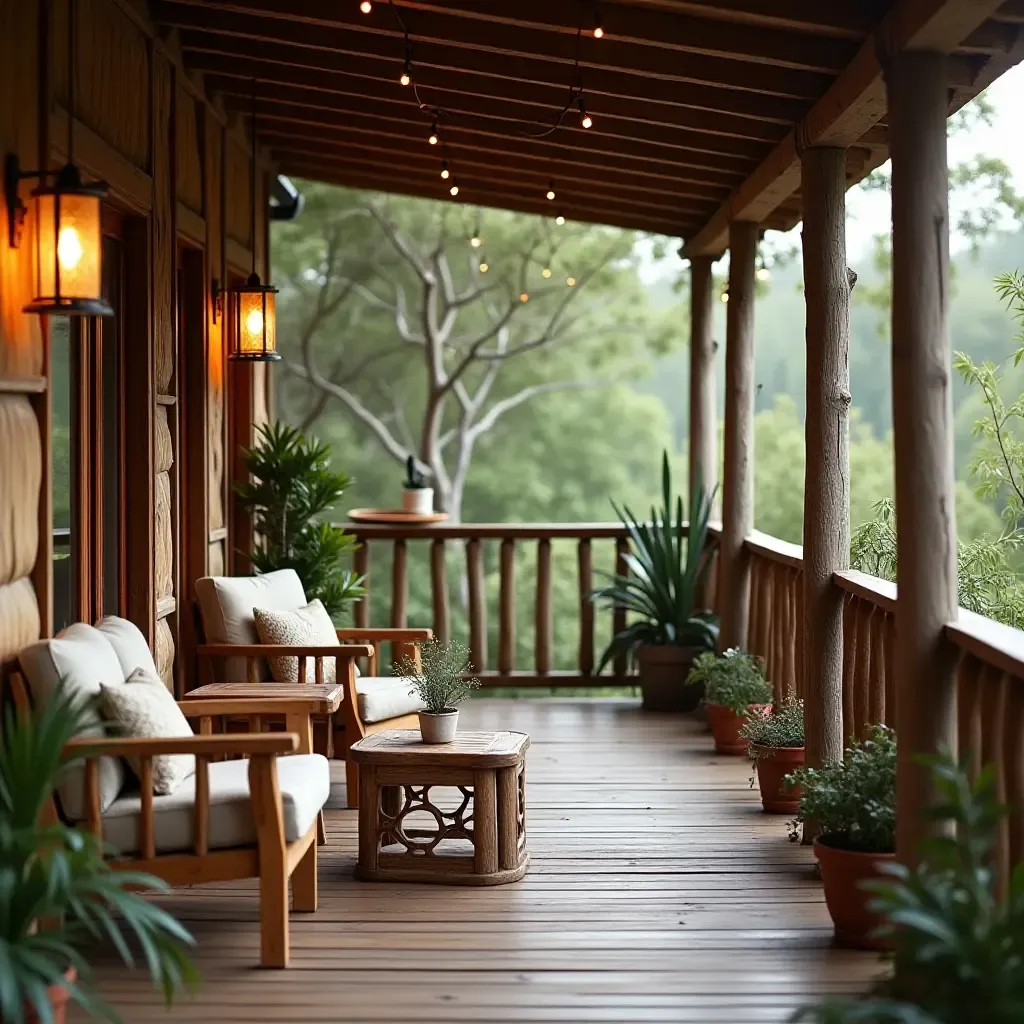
418, 499
439, 728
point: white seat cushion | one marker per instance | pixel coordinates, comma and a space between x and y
85, 660
226, 604
129, 645
382, 697
308, 626
305, 782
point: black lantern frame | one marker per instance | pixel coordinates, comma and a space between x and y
254, 345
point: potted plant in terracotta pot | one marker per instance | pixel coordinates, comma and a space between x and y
853, 804
775, 745
59, 896
667, 563
440, 677
417, 496
732, 683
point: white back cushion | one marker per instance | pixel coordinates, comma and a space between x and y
129, 645
226, 604
85, 659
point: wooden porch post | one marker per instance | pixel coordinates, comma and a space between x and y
827, 477
922, 431
738, 470
703, 421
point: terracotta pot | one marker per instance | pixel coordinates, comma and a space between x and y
773, 765
725, 728
663, 672
842, 871
58, 996
439, 728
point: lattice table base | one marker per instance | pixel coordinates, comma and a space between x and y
452, 814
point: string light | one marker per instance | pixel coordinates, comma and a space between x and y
445, 173
406, 78
484, 268
366, 6
725, 295
551, 190
763, 274
571, 282
454, 190
475, 241
559, 220
433, 134
598, 27
585, 119
546, 272
524, 296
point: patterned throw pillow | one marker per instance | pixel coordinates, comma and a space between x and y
310, 626
144, 708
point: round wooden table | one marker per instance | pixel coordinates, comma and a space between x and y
480, 840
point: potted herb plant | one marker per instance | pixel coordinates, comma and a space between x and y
59, 897
440, 678
416, 495
957, 943
775, 745
667, 563
732, 683
853, 804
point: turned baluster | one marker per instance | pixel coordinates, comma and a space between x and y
399, 584
507, 608
542, 609
477, 605
584, 556
439, 591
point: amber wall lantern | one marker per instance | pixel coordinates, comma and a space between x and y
68, 238
253, 309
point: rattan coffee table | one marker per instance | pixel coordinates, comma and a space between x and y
481, 840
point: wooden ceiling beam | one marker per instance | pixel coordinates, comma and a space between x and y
686, 32
514, 119
305, 22
450, 91
395, 181
440, 64
387, 152
854, 103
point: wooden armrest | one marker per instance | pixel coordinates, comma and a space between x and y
209, 746
343, 651
402, 636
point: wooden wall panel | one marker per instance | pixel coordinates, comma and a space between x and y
19, 617
113, 75
189, 151
163, 442
163, 653
164, 555
238, 186
216, 372
216, 563
21, 472
163, 229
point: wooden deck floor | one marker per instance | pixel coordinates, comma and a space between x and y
657, 892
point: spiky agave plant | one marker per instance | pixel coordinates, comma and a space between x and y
667, 563
58, 896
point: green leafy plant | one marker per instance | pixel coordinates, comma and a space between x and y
776, 726
414, 478
853, 801
58, 896
958, 947
440, 679
667, 563
734, 680
291, 485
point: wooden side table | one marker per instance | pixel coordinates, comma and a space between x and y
481, 842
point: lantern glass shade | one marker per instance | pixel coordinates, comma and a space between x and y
255, 321
69, 247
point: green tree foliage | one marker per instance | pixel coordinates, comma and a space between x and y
291, 487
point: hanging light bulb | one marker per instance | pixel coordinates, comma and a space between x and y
546, 272
725, 295
551, 190
454, 190
585, 119
559, 220
445, 173
763, 274
366, 6
598, 27
571, 282
406, 69
433, 134
524, 296
484, 268
475, 241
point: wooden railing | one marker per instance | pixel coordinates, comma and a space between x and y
462, 559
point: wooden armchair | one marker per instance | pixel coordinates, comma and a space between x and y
247, 812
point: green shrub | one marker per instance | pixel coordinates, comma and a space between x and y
776, 727
734, 680
853, 801
440, 678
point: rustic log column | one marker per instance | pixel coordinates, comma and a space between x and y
703, 420
738, 470
922, 432
827, 284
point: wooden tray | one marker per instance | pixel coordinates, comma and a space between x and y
396, 516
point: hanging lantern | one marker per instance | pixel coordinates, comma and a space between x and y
253, 312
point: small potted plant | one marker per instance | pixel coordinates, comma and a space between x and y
853, 804
775, 745
441, 680
732, 683
416, 495
60, 897
957, 941
667, 562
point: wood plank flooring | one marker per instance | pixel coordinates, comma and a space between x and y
658, 891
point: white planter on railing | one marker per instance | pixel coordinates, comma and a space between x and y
419, 500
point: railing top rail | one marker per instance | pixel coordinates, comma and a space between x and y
488, 531
776, 550
868, 587
989, 641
